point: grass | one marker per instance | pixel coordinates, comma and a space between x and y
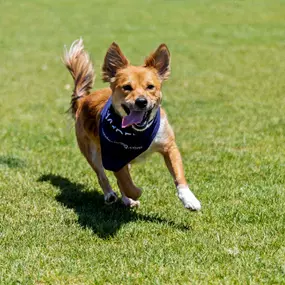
225, 100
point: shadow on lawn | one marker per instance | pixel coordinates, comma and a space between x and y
104, 220
11, 161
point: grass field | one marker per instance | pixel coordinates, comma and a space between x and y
226, 102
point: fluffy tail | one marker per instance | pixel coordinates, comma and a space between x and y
78, 62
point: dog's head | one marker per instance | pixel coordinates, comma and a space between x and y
136, 89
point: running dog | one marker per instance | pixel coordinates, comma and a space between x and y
119, 124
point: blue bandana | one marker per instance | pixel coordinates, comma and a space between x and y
119, 146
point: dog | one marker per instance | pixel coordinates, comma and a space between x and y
122, 123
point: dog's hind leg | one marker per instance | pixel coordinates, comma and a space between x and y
93, 155
130, 193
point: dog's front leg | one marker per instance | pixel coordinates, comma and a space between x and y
130, 193
92, 153
173, 161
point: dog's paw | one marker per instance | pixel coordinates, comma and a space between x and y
128, 202
188, 198
110, 198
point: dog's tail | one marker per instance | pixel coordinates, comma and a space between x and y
78, 62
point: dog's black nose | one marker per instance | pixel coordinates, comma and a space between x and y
141, 102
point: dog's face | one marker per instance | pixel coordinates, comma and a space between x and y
136, 89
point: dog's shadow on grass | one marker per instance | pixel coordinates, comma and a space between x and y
104, 220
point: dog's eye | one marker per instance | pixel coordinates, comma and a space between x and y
127, 87
150, 87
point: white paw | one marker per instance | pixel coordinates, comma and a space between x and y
130, 202
110, 198
188, 198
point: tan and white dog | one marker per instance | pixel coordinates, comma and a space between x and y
135, 96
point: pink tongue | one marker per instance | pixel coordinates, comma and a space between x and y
135, 117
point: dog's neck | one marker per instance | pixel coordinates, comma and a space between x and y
119, 145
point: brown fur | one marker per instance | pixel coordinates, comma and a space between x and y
145, 81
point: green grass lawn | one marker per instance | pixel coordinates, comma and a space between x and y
226, 102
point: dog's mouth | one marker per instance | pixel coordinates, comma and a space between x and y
139, 118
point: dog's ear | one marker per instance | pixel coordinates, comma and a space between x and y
160, 60
113, 61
